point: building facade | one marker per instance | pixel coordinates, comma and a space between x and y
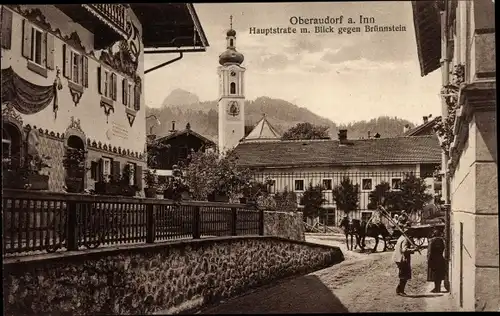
459, 38
293, 165
73, 76
231, 95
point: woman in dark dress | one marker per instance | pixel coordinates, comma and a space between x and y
436, 264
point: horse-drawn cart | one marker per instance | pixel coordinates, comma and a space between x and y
419, 233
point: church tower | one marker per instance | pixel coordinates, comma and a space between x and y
231, 94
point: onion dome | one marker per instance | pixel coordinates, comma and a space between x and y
231, 32
231, 56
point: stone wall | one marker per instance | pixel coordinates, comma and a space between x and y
152, 278
284, 224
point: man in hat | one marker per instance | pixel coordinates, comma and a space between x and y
402, 258
403, 219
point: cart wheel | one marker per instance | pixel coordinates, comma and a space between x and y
420, 241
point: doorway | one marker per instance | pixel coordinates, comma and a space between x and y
74, 164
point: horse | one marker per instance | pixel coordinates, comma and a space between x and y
351, 228
373, 230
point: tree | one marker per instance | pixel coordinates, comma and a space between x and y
382, 195
378, 195
207, 173
313, 200
346, 195
286, 201
413, 193
306, 131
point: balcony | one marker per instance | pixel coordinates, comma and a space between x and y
107, 22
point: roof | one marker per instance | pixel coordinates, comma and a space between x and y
263, 131
427, 22
170, 25
185, 132
424, 129
301, 153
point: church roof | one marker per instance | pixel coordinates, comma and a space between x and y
263, 131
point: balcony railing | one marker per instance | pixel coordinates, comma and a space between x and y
35, 221
114, 13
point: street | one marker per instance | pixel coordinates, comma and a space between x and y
362, 283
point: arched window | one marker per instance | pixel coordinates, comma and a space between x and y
232, 88
231, 42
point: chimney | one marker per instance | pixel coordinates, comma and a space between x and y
426, 119
188, 126
173, 127
406, 128
342, 135
369, 135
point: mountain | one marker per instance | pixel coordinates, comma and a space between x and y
182, 107
180, 97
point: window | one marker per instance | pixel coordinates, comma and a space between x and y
106, 167
231, 42
76, 68
299, 185
130, 95
327, 184
131, 169
396, 183
366, 184
37, 46
232, 88
106, 84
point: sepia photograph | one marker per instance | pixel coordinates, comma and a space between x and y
249, 158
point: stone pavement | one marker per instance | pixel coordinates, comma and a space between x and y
363, 283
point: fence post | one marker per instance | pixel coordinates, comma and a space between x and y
261, 222
196, 223
150, 224
234, 219
72, 225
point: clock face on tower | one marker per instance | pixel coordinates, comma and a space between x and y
233, 108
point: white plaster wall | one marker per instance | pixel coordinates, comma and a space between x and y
92, 118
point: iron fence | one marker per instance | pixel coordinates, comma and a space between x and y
298, 182
46, 221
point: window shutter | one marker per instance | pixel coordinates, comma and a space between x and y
44, 49
66, 62
50, 51
100, 170
114, 85
124, 91
100, 80
27, 39
115, 170
138, 177
85, 71
6, 28
137, 98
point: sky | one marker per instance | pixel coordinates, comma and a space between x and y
343, 77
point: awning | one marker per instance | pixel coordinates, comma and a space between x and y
170, 25
427, 21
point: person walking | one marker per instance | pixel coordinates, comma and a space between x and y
436, 263
402, 258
